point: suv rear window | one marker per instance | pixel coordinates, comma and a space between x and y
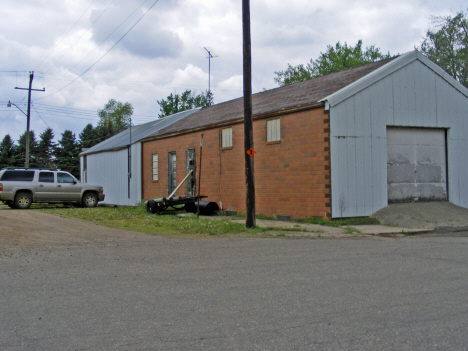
20, 176
46, 177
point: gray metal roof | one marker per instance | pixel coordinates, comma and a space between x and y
139, 132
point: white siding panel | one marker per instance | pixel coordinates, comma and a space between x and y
351, 184
463, 188
399, 90
359, 172
413, 96
110, 169
367, 176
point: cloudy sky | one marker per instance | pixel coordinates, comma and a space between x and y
77, 53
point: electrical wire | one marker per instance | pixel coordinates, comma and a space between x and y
73, 45
121, 23
34, 107
65, 34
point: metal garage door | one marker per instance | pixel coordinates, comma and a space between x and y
416, 164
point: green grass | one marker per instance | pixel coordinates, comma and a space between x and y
136, 218
339, 222
351, 230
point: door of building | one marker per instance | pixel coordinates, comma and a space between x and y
416, 164
172, 167
191, 166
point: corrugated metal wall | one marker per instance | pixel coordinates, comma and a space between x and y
413, 96
110, 169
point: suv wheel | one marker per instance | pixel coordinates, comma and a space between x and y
90, 200
23, 200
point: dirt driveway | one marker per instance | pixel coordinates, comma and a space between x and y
26, 229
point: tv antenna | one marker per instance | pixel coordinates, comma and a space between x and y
210, 56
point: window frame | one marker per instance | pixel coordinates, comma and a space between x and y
153, 168
274, 139
229, 140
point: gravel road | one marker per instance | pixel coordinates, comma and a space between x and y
71, 285
27, 229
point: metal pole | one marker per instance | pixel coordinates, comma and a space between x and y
248, 124
199, 177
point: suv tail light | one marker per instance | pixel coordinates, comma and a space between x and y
1, 187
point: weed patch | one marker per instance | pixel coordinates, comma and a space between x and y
136, 218
339, 222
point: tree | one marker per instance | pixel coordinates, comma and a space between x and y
186, 101
335, 59
88, 137
20, 153
66, 153
114, 118
45, 149
7, 152
447, 45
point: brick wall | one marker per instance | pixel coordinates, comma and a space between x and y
292, 177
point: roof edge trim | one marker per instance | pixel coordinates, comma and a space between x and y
384, 71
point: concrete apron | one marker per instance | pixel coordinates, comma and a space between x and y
424, 215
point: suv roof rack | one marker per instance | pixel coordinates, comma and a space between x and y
31, 169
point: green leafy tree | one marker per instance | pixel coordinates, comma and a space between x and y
7, 152
20, 153
186, 101
45, 149
114, 118
335, 59
88, 137
66, 153
446, 44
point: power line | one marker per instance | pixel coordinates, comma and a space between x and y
71, 46
34, 107
65, 35
125, 20
94, 64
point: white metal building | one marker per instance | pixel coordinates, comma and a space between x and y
116, 162
399, 133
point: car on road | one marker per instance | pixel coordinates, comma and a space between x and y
20, 187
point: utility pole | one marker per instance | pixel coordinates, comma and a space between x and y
248, 124
130, 159
210, 56
31, 77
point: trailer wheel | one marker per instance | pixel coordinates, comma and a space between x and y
152, 207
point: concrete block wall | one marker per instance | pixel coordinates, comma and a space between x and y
292, 177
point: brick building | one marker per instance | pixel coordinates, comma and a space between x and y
333, 146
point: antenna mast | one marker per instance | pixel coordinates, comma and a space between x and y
210, 56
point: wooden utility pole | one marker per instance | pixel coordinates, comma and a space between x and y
248, 124
199, 177
31, 77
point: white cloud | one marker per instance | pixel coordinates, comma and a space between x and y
164, 53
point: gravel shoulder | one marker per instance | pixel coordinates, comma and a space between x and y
27, 229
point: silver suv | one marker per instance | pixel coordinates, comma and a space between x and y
20, 187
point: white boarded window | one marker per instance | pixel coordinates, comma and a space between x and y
226, 137
155, 167
273, 130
